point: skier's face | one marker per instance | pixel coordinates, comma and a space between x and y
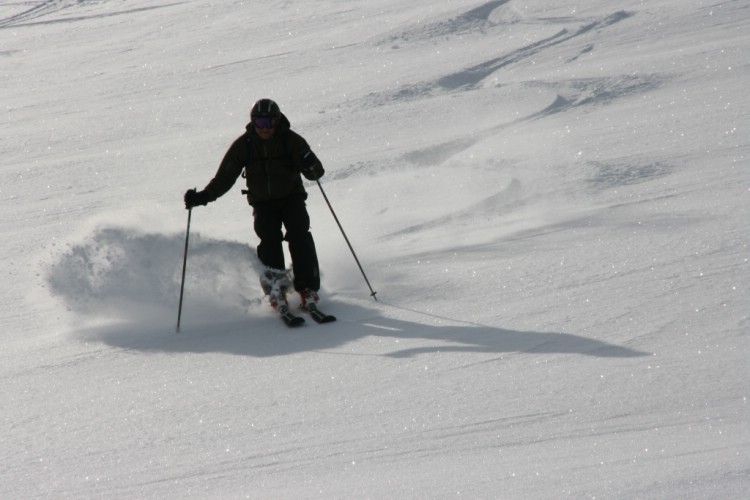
265, 127
265, 133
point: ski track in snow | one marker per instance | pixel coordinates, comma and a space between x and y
549, 199
53, 11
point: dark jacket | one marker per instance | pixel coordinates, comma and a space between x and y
273, 166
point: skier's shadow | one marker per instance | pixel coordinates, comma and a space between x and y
260, 334
454, 335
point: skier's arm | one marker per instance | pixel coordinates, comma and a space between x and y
312, 168
229, 169
305, 160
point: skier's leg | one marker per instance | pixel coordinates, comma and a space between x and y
305, 263
301, 246
267, 226
274, 280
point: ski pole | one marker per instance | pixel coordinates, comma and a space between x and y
184, 265
372, 292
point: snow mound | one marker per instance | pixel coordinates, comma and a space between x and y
124, 273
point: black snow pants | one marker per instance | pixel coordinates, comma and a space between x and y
291, 213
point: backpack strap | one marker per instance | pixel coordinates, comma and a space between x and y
249, 155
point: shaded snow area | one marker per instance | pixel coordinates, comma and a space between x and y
550, 198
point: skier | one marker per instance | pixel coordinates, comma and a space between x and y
273, 156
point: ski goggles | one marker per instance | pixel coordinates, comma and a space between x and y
264, 122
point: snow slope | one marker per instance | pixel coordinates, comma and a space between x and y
551, 201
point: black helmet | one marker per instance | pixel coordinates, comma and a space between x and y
265, 108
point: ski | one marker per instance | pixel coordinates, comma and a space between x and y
290, 319
317, 315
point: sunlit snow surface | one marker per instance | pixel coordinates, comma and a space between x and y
550, 198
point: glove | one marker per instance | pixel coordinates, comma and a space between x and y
194, 198
309, 162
